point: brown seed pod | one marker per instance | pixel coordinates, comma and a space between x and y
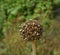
31, 30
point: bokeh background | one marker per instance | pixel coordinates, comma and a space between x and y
15, 12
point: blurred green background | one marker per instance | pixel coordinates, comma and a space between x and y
15, 12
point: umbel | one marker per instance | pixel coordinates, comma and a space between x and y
31, 30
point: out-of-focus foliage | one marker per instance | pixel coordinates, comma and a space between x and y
56, 1
15, 12
26, 8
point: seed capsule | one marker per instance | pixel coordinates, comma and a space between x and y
31, 30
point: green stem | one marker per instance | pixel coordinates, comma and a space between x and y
34, 47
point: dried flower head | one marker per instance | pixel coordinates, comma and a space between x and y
31, 30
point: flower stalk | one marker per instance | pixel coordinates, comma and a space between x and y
34, 48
